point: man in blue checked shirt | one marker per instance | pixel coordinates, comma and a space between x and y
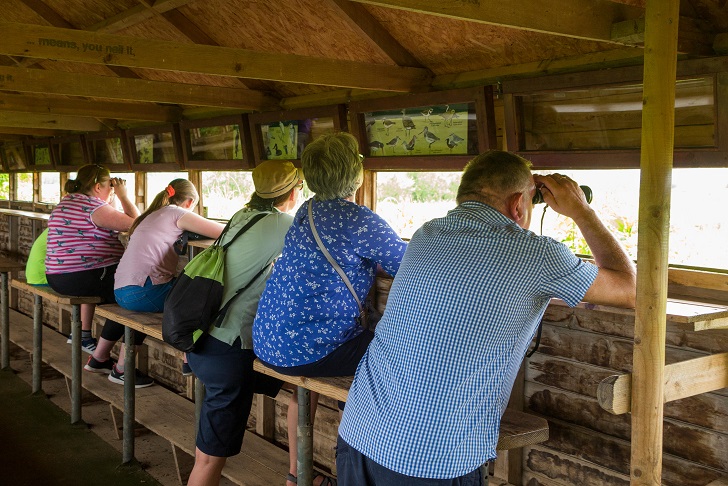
428, 395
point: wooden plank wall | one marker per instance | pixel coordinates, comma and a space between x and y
587, 445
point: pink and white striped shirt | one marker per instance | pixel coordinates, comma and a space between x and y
75, 243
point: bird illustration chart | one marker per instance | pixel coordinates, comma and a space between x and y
280, 140
424, 130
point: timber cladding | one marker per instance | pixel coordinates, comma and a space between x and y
587, 445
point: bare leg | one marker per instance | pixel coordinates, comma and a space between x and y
87, 316
292, 428
103, 349
207, 470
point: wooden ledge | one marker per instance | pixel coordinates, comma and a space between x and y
688, 315
25, 214
518, 429
150, 323
50, 294
10, 265
336, 387
683, 379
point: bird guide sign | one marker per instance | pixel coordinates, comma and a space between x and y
423, 130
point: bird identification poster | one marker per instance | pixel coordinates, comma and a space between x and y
423, 130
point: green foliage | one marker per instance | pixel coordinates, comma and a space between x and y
5, 186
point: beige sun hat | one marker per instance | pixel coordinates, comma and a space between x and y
274, 178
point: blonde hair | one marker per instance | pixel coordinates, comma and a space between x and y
332, 166
177, 192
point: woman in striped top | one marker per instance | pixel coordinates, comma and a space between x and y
83, 245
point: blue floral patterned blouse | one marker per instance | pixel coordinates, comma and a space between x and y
306, 310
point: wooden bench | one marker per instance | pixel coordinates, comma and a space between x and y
165, 413
149, 323
7, 265
44, 292
517, 430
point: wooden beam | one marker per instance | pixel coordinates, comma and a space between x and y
694, 38
134, 15
36, 132
95, 109
106, 49
682, 380
47, 13
360, 20
584, 19
656, 156
584, 62
190, 30
56, 20
54, 122
73, 84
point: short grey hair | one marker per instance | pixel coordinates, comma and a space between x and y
494, 174
332, 166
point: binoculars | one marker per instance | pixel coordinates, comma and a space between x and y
538, 197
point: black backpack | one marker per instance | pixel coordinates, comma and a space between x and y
194, 303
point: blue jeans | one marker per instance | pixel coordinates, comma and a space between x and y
356, 469
149, 298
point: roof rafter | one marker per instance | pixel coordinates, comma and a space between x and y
363, 22
73, 84
106, 49
49, 105
136, 14
54, 122
584, 19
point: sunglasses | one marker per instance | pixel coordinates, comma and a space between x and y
99, 172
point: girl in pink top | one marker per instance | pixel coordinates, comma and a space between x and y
147, 268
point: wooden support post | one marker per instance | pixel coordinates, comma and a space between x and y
658, 126
265, 420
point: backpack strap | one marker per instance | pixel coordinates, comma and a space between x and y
245, 228
330, 258
217, 319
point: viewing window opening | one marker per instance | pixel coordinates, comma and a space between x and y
24, 186
4, 187
225, 193
698, 225
50, 187
156, 182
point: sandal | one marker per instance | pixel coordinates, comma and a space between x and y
327, 481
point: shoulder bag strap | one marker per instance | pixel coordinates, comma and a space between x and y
330, 258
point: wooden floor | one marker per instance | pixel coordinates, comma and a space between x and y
160, 410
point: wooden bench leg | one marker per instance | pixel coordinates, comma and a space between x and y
76, 363
4, 322
304, 466
199, 397
183, 463
115, 416
37, 342
129, 396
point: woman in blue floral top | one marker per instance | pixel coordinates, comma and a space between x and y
306, 324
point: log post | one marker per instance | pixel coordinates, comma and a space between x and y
658, 127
